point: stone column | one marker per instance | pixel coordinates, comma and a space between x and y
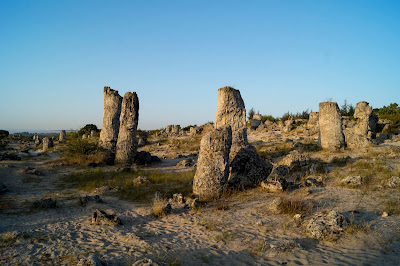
212, 171
47, 143
127, 142
330, 126
62, 137
111, 115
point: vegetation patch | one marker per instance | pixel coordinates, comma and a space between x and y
165, 183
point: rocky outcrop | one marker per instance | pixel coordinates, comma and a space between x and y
256, 121
111, 116
127, 143
62, 137
37, 139
313, 120
361, 134
296, 159
289, 125
366, 120
248, 169
331, 136
143, 138
212, 171
172, 130
326, 224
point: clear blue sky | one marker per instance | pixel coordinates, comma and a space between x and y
56, 57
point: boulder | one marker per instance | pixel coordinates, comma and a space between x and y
296, 159
353, 181
212, 171
143, 158
289, 125
141, 180
393, 182
248, 169
331, 136
276, 182
185, 163
256, 121
127, 143
325, 223
366, 120
100, 217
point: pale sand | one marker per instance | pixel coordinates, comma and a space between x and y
206, 237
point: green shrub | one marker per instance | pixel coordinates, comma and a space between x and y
4, 134
88, 129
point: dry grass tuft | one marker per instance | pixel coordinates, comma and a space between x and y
294, 205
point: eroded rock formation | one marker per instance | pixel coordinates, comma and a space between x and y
330, 124
111, 116
127, 143
62, 137
213, 164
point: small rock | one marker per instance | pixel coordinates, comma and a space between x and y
178, 198
168, 208
140, 180
326, 223
85, 200
104, 189
192, 203
385, 215
259, 222
145, 262
313, 181
185, 163
91, 260
101, 217
353, 181
32, 171
393, 182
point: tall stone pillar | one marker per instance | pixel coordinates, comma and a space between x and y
111, 115
127, 142
330, 126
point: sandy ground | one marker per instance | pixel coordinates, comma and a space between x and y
248, 232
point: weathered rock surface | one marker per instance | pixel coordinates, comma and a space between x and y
127, 143
248, 169
141, 180
213, 164
393, 182
276, 182
313, 121
366, 120
111, 116
353, 181
296, 159
145, 262
256, 121
91, 260
231, 110
62, 137
185, 163
47, 143
288, 125
324, 224
365, 128
331, 136
100, 217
